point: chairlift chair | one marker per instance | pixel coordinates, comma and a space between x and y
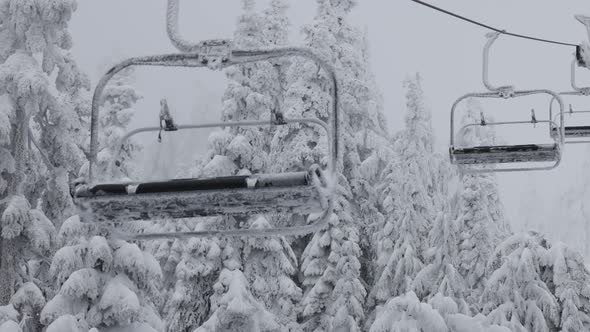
575, 134
307, 192
484, 159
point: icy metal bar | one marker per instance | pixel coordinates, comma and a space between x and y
214, 125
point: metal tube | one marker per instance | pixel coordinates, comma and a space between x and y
219, 124
492, 36
183, 45
550, 122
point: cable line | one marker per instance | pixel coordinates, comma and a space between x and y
492, 28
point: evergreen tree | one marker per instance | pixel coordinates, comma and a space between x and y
517, 294
116, 112
333, 257
196, 266
480, 218
440, 277
107, 284
39, 81
269, 264
104, 282
571, 280
233, 307
412, 190
406, 313
253, 91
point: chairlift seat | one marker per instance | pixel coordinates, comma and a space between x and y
499, 154
574, 131
296, 192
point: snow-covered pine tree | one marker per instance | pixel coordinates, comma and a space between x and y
116, 113
253, 91
518, 293
269, 264
412, 191
440, 276
478, 211
40, 82
406, 313
331, 266
9, 319
571, 281
106, 284
233, 307
191, 269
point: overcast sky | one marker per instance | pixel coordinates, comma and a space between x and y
404, 38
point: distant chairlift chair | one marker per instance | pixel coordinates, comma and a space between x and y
484, 159
307, 192
575, 134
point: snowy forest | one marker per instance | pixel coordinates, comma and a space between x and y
411, 244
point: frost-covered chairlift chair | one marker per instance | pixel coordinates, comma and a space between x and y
306, 193
484, 159
575, 134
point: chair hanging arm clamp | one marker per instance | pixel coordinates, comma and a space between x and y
215, 52
277, 118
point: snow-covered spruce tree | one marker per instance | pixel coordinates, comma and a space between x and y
103, 282
233, 307
406, 313
571, 283
39, 81
412, 191
439, 276
107, 284
253, 91
63, 134
190, 272
479, 212
269, 264
9, 319
332, 260
518, 293
116, 113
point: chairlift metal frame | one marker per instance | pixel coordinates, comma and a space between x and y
572, 134
468, 159
315, 185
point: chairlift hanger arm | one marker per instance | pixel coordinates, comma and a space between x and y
196, 60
